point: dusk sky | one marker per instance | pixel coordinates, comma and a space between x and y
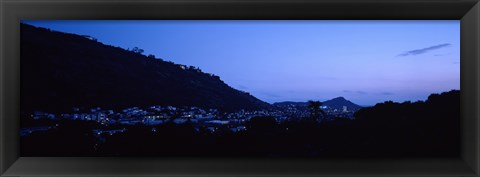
364, 61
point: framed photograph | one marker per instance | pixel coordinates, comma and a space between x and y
242, 88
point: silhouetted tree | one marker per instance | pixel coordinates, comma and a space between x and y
137, 50
315, 111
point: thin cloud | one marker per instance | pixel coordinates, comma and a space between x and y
438, 55
387, 93
361, 92
357, 92
424, 50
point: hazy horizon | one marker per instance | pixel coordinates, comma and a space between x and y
366, 62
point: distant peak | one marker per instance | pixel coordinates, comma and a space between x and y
340, 102
340, 98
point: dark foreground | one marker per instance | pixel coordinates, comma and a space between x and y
420, 129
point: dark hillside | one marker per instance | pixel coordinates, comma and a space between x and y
60, 71
339, 102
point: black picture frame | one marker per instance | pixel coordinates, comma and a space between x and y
12, 11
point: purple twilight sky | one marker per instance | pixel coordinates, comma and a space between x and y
364, 61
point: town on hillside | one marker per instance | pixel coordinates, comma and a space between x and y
211, 119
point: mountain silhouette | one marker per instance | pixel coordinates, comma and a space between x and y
61, 70
335, 103
339, 102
